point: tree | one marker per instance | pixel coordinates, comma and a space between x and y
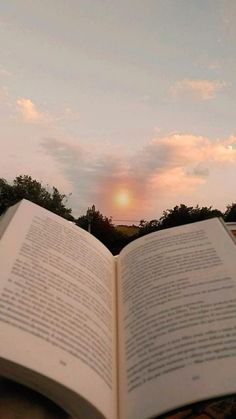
230, 213
183, 215
146, 227
101, 227
5, 195
179, 215
28, 188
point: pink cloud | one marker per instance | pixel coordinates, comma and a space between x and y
179, 164
187, 149
197, 89
29, 111
175, 180
166, 168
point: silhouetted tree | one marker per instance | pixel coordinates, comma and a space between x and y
102, 228
28, 188
230, 213
183, 215
146, 227
177, 216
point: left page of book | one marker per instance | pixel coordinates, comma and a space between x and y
57, 310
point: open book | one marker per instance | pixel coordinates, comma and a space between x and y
123, 337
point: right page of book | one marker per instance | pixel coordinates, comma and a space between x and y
177, 318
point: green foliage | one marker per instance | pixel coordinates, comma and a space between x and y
24, 187
127, 230
230, 213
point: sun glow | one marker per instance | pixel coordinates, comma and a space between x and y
123, 198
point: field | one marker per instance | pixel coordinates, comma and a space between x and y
127, 230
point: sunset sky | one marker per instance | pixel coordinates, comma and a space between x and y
129, 105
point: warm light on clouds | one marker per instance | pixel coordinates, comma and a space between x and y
175, 180
123, 198
29, 111
196, 89
167, 167
80, 113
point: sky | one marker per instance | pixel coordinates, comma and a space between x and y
128, 105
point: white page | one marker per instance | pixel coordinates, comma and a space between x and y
57, 305
177, 318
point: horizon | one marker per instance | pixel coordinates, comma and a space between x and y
128, 106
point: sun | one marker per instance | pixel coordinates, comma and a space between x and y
123, 198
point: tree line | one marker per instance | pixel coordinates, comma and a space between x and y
102, 227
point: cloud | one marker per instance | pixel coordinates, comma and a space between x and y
83, 163
176, 180
196, 89
201, 170
165, 167
3, 94
29, 111
194, 153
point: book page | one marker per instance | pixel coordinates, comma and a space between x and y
57, 304
177, 318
